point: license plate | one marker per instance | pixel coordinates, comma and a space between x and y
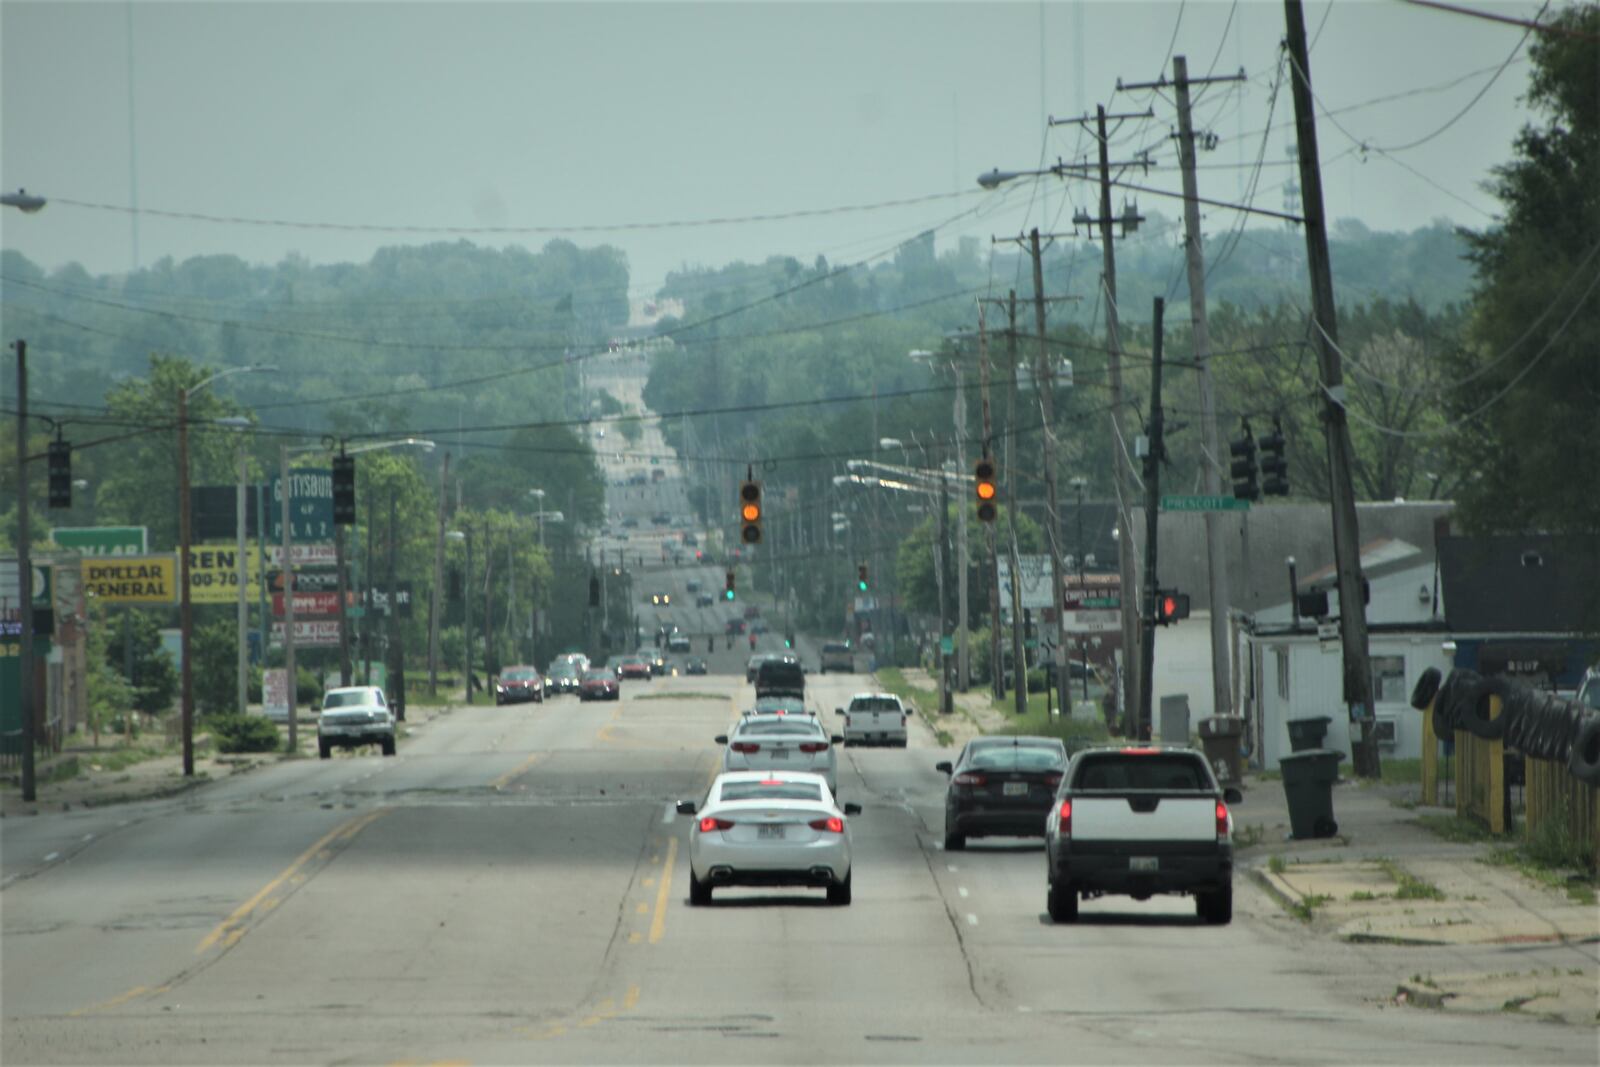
1144, 863
769, 833
1016, 789
780, 753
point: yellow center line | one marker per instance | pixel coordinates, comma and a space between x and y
658, 922
229, 927
505, 779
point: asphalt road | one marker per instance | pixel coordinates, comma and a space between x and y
511, 888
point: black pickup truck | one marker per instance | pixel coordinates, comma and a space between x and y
1140, 821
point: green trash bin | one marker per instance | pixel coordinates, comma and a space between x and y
1308, 779
1308, 733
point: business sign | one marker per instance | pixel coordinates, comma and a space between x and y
307, 580
214, 574
275, 693
308, 605
132, 579
309, 632
378, 597
317, 554
102, 540
10, 604
1093, 622
310, 506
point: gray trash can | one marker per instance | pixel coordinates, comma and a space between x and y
1219, 736
1307, 734
1308, 779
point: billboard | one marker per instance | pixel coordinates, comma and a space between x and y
132, 579
214, 574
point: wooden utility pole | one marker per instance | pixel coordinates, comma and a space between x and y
1141, 717
438, 580
1019, 662
1324, 338
1046, 380
25, 585
997, 676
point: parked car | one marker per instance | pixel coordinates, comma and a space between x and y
1001, 785
518, 684
769, 829
355, 715
599, 685
838, 656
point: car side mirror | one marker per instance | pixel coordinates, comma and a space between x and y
852, 809
1232, 795
838, 711
837, 739
945, 766
686, 807
721, 739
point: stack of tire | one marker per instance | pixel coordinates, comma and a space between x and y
1541, 725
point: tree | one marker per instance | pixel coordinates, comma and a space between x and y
1529, 385
154, 677
216, 655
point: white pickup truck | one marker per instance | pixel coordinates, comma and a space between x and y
874, 719
1141, 821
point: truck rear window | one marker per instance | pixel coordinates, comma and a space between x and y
875, 704
1117, 772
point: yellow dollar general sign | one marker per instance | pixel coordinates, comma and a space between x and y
214, 574
132, 579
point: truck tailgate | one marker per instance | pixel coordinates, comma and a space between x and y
1144, 816
875, 721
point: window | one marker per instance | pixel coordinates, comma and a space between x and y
1282, 652
775, 790
1389, 679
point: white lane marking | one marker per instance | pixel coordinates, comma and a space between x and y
672, 810
88, 837
972, 920
952, 868
52, 857
962, 890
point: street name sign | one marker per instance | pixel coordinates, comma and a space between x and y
1203, 503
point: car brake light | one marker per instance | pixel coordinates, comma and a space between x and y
1140, 751
711, 822
1052, 778
967, 778
831, 825
813, 746
1223, 821
745, 746
1064, 819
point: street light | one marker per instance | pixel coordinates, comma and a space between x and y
23, 200
185, 606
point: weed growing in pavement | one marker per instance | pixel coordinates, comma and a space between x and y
1410, 887
1403, 803
944, 737
1454, 828
1276, 865
1428, 981
1249, 836
1401, 771
1362, 894
1305, 909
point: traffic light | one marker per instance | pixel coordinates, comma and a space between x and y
1274, 468
1171, 606
727, 592
750, 513
1243, 468
983, 485
344, 490
60, 474
861, 578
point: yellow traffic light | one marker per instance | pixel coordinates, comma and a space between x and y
987, 491
750, 512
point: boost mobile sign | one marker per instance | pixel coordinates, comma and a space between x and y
310, 506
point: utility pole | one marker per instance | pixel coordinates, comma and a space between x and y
185, 604
1325, 338
1047, 382
1122, 488
438, 580
1152, 501
997, 676
963, 656
25, 580
941, 564
344, 615
285, 492
397, 654
1019, 662
242, 603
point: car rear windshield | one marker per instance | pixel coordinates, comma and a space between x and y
519, 676
1132, 771
874, 704
836, 648
350, 699
1016, 758
771, 791
797, 727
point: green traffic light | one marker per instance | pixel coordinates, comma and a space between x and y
862, 586
728, 595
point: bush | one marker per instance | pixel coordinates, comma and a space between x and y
1038, 681
244, 733
307, 688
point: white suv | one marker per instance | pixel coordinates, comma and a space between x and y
358, 715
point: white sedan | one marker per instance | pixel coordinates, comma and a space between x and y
772, 742
777, 828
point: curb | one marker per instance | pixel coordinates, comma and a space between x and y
1274, 886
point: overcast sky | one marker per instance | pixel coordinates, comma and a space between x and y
561, 116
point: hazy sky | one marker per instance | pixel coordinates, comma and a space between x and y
562, 116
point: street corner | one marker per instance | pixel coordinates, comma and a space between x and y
1553, 994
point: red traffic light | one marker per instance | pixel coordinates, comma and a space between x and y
1171, 606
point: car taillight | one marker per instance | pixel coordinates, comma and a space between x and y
745, 747
1052, 778
1224, 822
813, 746
831, 825
710, 823
1064, 819
969, 779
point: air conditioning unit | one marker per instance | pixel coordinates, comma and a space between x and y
1383, 731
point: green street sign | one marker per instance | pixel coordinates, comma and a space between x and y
947, 645
1102, 602
355, 611
101, 540
1203, 503
1030, 644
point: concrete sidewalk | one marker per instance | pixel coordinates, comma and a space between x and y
93, 786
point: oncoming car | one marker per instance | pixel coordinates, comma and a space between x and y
781, 742
599, 685
355, 715
769, 828
516, 684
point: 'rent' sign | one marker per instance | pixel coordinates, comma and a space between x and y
132, 579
